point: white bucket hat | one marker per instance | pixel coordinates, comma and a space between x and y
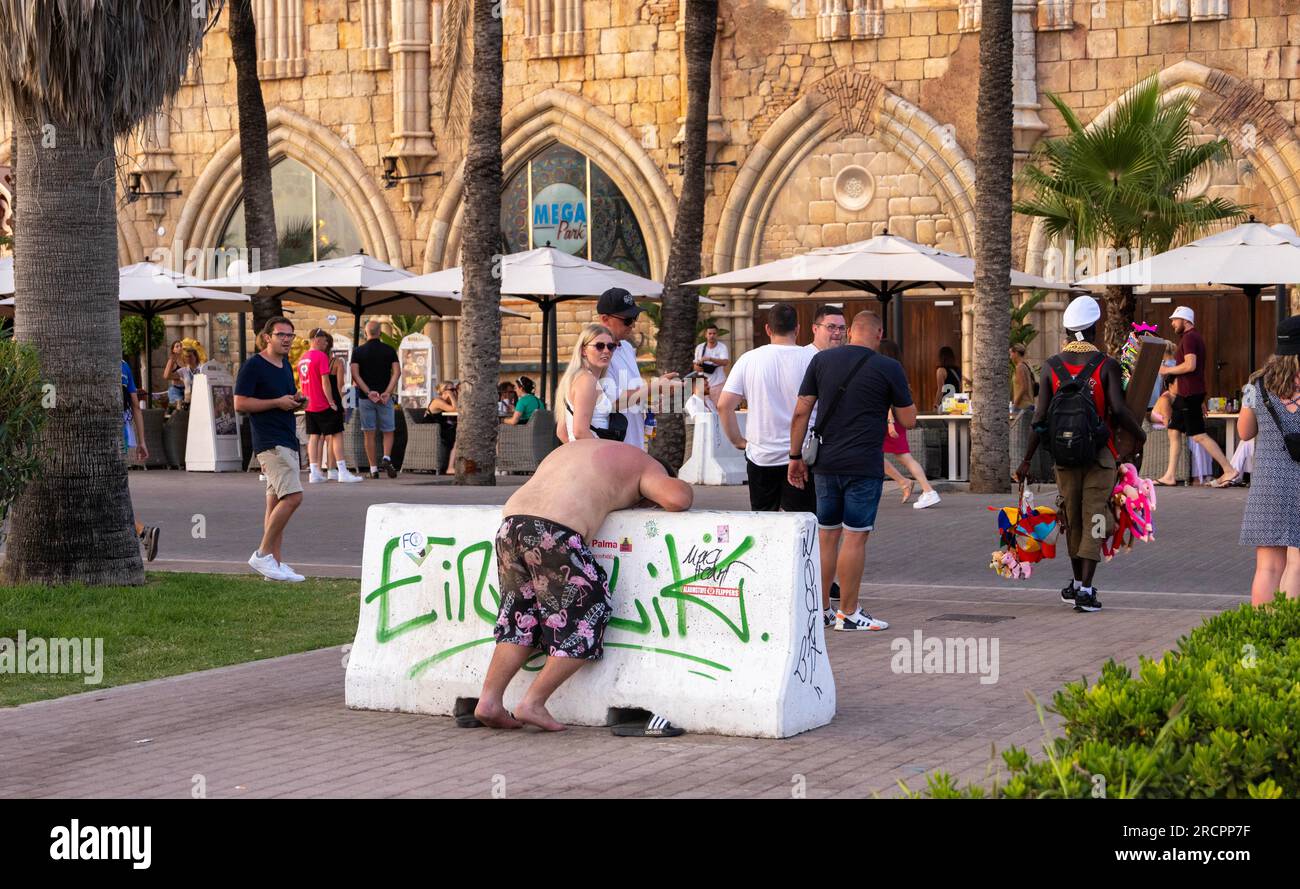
1185, 313
1082, 312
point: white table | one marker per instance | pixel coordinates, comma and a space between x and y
958, 443
1230, 432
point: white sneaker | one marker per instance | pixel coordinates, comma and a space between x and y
858, 620
317, 478
289, 574
333, 475
929, 498
348, 478
266, 566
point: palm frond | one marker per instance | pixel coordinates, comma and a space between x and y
94, 67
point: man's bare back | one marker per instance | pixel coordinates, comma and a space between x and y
580, 483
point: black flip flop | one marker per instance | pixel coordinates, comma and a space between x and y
654, 727
1166, 484
468, 720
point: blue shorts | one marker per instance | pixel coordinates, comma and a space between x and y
372, 415
847, 501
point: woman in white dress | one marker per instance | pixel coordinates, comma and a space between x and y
589, 393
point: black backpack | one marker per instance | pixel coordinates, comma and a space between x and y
1075, 433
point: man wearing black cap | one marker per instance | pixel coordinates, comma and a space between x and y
617, 310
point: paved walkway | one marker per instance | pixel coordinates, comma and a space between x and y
280, 728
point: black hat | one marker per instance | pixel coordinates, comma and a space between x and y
618, 302
1288, 336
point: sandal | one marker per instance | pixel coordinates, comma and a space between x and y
1166, 484
468, 720
654, 727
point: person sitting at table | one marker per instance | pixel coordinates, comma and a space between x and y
444, 403
526, 405
506, 396
947, 376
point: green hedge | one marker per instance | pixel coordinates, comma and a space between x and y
22, 417
1218, 717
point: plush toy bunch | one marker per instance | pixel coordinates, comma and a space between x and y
1026, 534
1134, 502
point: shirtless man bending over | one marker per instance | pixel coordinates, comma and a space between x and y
554, 595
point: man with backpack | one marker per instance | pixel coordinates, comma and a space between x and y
1080, 405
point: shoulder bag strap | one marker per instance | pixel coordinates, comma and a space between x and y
835, 400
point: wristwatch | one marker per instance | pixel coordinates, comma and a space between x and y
796, 456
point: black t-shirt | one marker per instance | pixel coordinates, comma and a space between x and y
375, 360
853, 441
259, 378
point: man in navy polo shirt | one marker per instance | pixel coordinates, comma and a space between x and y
266, 392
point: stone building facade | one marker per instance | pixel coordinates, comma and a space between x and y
830, 121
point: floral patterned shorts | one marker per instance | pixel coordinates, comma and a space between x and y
554, 595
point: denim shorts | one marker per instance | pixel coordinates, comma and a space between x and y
375, 414
847, 501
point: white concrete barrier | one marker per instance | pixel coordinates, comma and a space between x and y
717, 619
714, 459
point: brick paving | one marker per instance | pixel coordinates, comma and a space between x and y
280, 728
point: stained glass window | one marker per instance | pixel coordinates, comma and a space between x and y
311, 221
552, 203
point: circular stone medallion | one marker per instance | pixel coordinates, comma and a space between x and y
854, 188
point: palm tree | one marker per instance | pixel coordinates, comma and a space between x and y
990, 440
254, 155
78, 76
1120, 184
480, 321
676, 341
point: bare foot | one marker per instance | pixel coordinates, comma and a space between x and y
495, 716
538, 716
907, 490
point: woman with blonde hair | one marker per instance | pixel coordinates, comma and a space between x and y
1271, 522
590, 394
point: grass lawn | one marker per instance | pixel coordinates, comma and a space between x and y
175, 623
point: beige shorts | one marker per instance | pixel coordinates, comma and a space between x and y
1083, 505
280, 466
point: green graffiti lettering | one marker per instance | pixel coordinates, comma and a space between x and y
383, 632
659, 613
641, 626
674, 589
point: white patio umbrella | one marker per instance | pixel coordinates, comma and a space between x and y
356, 284
886, 266
149, 290
545, 276
1249, 257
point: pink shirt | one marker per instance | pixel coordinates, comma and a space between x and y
311, 367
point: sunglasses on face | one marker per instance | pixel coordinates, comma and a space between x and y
603, 346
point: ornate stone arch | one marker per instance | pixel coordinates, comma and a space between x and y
1237, 110
554, 115
219, 187
841, 104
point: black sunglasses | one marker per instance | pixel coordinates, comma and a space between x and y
603, 346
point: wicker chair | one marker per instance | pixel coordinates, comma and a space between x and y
424, 449
1155, 455
521, 448
153, 439
176, 433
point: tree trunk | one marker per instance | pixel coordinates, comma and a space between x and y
74, 522
675, 348
254, 156
990, 457
479, 342
1121, 310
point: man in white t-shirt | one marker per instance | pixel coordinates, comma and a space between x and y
701, 400
828, 329
713, 358
617, 310
768, 379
